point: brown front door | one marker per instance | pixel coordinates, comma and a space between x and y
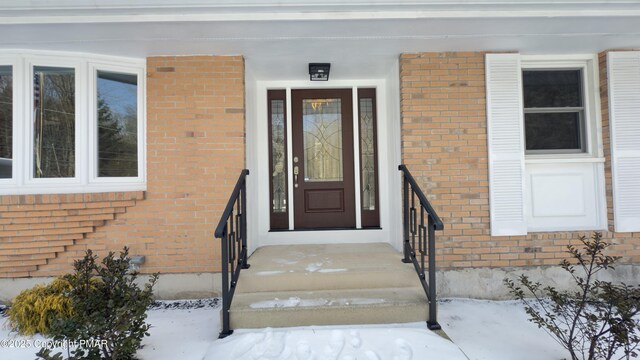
323, 185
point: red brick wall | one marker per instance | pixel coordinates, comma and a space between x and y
195, 151
444, 144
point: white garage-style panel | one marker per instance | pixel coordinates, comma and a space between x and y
564, 196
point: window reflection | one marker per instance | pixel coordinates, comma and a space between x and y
117, 124
6, 122
54, 122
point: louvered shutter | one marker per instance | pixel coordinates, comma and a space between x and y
624, 121
506, 144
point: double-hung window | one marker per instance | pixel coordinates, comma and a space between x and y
71, 124
554, 116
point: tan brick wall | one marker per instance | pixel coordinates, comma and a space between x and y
34, 229
195, 151
444, 144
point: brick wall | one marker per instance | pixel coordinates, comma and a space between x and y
444, 144
195, 151
34, 229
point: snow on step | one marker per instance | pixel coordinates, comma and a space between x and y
328, 307
296, 301
323, 267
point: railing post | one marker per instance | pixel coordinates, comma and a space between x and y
405, 219
243, 223
234, 246
432, 323
426, 241
226, 301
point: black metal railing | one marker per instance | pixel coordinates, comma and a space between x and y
232, 231
415, 230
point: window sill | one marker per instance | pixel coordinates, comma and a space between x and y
564, 159
532, 230
71, 188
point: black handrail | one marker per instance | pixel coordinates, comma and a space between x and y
426, 239
234, 246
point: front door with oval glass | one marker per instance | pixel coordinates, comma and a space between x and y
322, 161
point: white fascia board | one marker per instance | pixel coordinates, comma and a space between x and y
69, 55
122, 11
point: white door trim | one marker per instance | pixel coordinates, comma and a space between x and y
258, 164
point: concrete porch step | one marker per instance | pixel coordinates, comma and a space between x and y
300, 285
328, 307
324, 267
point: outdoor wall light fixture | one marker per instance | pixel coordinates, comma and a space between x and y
319, 71
135, 262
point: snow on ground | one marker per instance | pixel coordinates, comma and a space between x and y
480, 330
496, 330
373, 342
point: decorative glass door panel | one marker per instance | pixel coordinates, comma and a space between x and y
322, 138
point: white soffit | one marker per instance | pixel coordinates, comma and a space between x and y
30, 11
362, 39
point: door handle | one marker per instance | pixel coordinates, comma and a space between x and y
296, 170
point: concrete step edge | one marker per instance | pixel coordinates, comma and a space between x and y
328, 298
327, 281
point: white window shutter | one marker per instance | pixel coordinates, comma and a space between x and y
505, 138
624, 121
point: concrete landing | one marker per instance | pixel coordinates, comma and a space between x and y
299, 285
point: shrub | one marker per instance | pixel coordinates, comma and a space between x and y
598, 319
34, 310
109, 310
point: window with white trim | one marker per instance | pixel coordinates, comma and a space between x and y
554, 120
546, 164
71, 124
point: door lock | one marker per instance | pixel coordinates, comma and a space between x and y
296, 171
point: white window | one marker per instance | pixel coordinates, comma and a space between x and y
546, 164
71, 124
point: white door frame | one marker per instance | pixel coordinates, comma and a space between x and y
388, 131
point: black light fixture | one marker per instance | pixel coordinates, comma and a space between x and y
319, 71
